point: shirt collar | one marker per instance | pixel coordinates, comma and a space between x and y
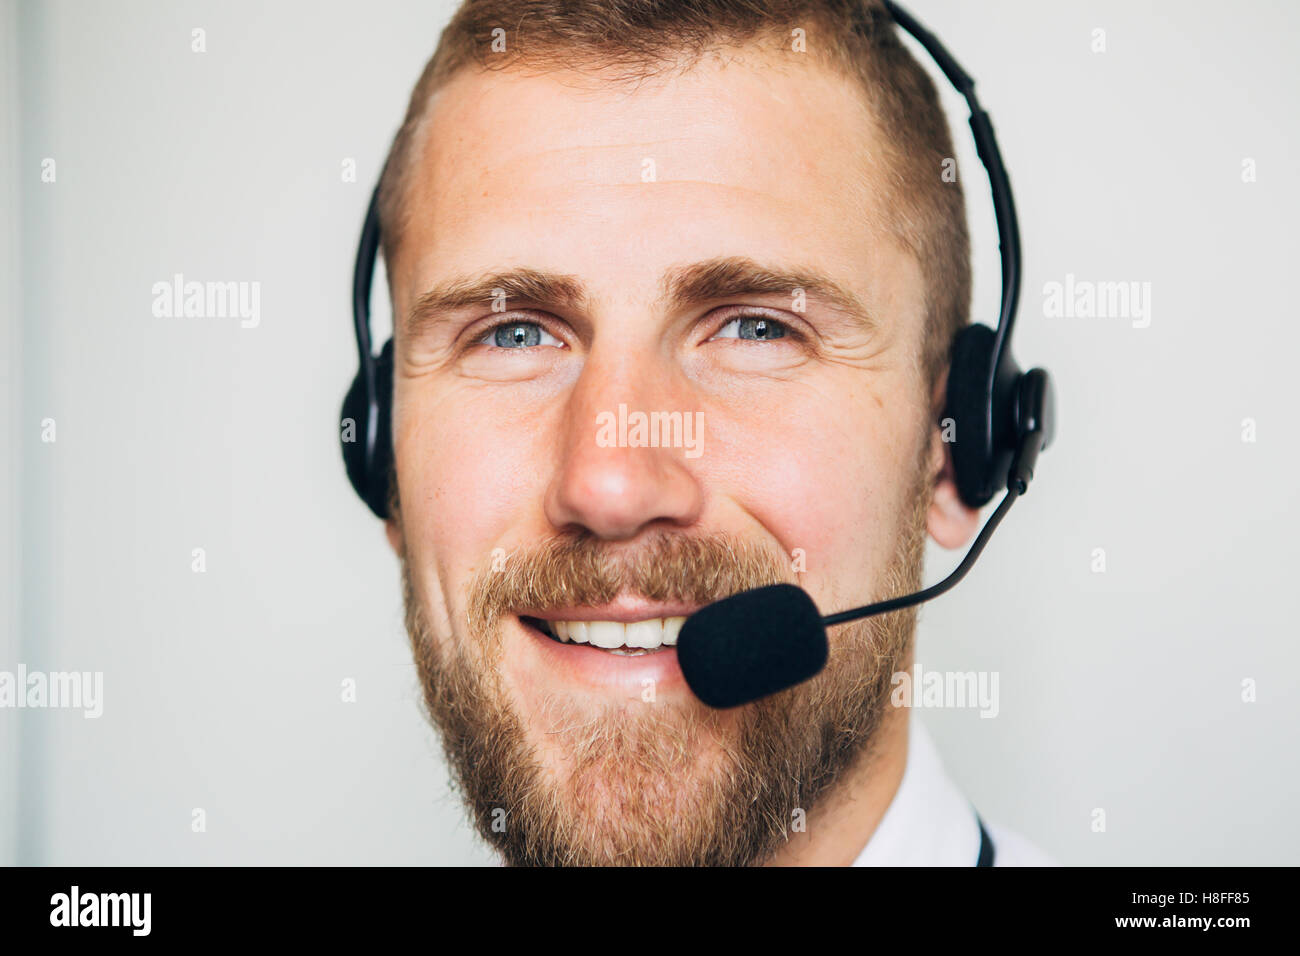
929, 822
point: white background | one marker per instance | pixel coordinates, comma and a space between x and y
1119, 690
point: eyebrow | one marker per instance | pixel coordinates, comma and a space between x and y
681, 286
731, 276
547, 288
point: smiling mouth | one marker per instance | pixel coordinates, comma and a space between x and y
630, 639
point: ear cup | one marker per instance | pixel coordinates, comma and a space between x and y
368, 457
984, 417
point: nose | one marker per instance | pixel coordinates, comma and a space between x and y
610, 481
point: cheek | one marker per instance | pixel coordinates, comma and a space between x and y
831, 488
465, 479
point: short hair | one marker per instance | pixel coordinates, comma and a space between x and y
925, 210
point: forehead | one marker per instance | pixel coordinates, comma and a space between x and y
776, 159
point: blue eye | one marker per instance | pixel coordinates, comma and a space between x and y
519, 335
755, 327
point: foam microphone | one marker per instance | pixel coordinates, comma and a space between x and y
759, 642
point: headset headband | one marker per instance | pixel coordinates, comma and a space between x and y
363, 275
986, 145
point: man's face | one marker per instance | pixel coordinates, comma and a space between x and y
710, 245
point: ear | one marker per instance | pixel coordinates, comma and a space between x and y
949, 520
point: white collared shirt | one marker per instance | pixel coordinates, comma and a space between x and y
930, 823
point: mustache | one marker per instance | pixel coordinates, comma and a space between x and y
580, 569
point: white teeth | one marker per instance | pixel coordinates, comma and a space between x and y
610, 635
672, 627
643, 634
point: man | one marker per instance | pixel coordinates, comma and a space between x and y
674, 286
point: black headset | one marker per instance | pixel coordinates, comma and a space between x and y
992, 405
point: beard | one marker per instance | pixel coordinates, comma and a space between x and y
653, 783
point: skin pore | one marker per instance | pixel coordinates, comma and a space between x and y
650, 240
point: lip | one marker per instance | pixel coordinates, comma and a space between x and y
593, 669
624, 611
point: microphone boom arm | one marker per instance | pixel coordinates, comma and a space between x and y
1018, 478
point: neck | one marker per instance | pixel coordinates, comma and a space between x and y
839, 828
